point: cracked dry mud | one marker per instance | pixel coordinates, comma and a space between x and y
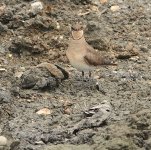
27, 40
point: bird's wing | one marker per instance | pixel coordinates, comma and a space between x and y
94, 58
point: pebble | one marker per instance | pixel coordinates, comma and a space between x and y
10, 55
3, 141
135, 58
58, 26
2, 69
5, 96
44, 111
129, 46
67, 111
103, 1
39, 143
115, 8
144, 49
36, 7
18, 74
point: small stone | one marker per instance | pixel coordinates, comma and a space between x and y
39, 143
94, 8
18, 74
134, 51
129, 46
58, 26
2, 69
103, 1
3, 141
96, 77
36, 7
135, 58
5, 96
61, 37
126, 112
10, 55
115, 8
144, 49
44, 111
149, 58
67, 111
22, 68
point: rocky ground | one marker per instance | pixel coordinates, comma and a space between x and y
48, 106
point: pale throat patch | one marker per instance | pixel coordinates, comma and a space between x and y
77, 34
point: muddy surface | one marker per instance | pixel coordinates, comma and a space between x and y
115, 116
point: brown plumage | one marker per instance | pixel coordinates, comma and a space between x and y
94, 58
81, 55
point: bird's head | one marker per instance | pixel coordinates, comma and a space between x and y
77, 31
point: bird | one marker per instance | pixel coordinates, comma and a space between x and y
81, 55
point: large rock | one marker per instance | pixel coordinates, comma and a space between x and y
45, 75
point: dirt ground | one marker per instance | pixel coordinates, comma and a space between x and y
117, 28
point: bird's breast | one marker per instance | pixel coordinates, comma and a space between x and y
77, 60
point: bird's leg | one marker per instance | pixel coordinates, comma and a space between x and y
83, 74
90, 74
